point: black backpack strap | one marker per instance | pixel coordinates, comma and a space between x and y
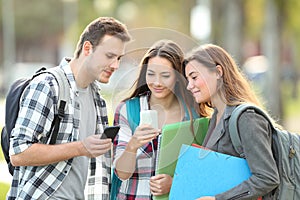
56, 122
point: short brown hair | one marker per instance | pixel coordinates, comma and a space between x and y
98, 28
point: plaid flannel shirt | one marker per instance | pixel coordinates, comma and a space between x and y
137, 186
33, 124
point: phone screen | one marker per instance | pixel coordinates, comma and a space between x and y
110, 132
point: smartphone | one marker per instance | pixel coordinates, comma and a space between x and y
149, 117
110, 132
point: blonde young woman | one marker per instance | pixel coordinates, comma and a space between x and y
216, 82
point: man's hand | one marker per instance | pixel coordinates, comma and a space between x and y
94, 146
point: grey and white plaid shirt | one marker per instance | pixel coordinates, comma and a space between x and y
33, 124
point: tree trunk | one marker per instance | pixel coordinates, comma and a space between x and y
271, 49
233, 29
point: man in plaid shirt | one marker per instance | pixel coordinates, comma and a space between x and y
78, 165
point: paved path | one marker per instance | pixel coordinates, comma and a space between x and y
5, 176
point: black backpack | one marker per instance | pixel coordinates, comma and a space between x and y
13, 104
286, 152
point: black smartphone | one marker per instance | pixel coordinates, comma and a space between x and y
110, 132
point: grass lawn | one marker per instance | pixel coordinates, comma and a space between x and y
3, 190
3, 186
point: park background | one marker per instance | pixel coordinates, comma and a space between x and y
263, 36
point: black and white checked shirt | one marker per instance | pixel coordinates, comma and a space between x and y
33, 124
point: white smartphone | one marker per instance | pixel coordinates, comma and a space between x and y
149, 117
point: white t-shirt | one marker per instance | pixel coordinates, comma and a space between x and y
74, 183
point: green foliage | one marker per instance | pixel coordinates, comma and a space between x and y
35, 19
291, 101
86, 13
254, 16
165, 14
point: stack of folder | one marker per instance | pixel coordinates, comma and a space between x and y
201, 172
170, 142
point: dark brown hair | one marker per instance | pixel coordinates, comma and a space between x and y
172, 52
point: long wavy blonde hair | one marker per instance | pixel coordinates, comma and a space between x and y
234, 88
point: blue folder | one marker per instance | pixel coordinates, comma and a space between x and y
201, 172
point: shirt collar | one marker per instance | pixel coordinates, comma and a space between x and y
64, 64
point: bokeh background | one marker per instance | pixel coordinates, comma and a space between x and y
263, 36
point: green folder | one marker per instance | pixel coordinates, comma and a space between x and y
170, 142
